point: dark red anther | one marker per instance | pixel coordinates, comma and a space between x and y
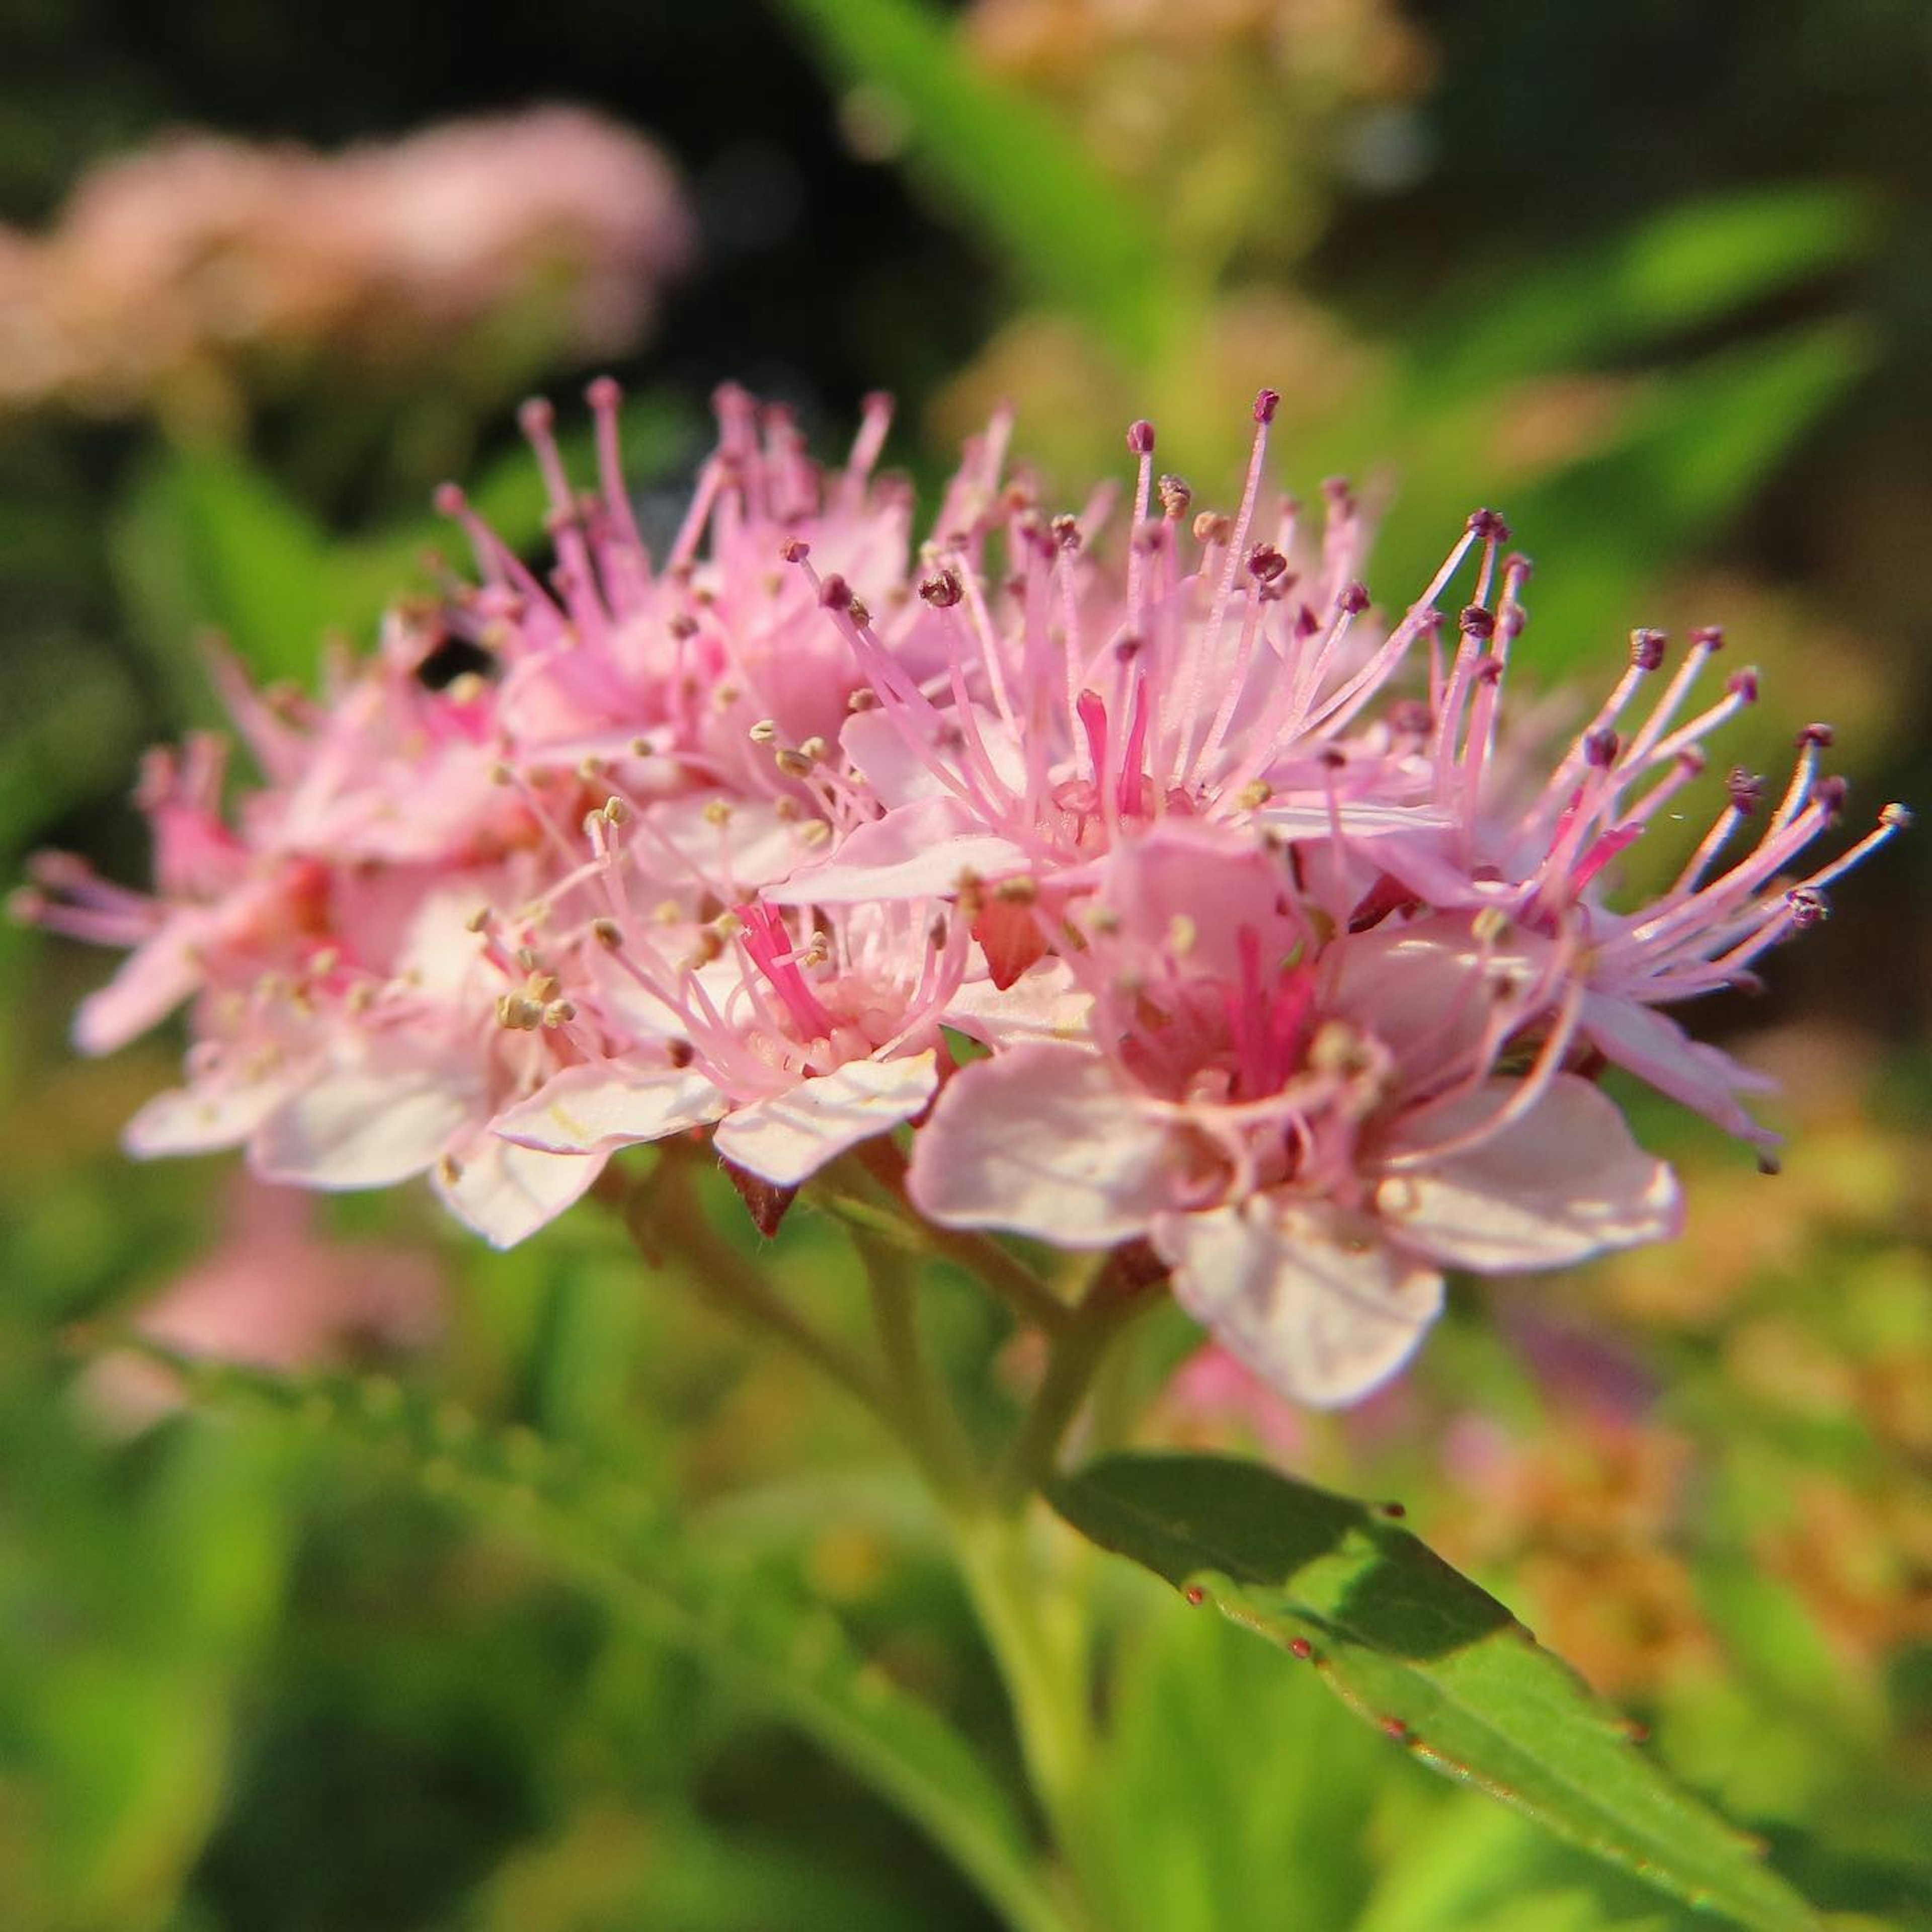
1746, 788
1829, 794
1266, 404
1195, 1595
1354, 599
1707, 637
1808, 906
942, 588
1475, 622
1140, 437
1743, 684
1265, 562
1600, 747
794, 549
1395, 1512
681, 624
1818, 735
1302, 1648
1489, 525
1647, 649
835, 593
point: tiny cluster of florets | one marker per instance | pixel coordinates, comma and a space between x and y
1164, 897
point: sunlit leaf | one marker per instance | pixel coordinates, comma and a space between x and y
1417, 1647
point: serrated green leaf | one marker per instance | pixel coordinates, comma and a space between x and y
1420, 1649
795, 1659
1077, 239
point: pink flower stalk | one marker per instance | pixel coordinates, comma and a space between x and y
1283, 971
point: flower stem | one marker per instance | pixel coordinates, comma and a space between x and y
1036, 1633
665, 1214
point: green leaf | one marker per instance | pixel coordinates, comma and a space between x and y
1691, 265
1078, 240
1418, 1648
794, 1660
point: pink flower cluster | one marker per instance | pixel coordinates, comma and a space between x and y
1171, 898
204, 256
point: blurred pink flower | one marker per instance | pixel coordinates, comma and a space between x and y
203, 258
275, 1294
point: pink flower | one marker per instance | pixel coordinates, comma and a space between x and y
1283, 967
1308, 1127
274, 1295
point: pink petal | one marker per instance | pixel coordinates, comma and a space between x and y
1565, 1181
1660, 1052
919, 851
1044, 1140
1314, 1300
595, 1109
150, 984
788, 1138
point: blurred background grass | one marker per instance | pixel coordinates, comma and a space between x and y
1657, 280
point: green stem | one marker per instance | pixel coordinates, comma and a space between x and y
1037, 1635
665, 1213
1005, 1274
926, 1415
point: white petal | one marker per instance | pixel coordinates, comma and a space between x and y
362, 1128
593, 1109
1317, 1303
199, 1119
1042, 1005
1045, 1141
788, 1139
507, 1192
1565, 1181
